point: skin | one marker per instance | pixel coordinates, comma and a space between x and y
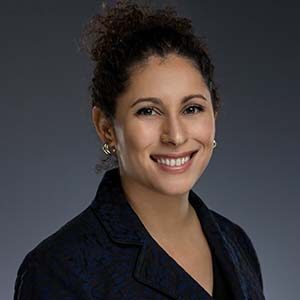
160, 199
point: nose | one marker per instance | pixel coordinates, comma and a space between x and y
173, 131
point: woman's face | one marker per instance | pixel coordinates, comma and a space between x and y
166, 126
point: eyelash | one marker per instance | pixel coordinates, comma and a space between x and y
200, 107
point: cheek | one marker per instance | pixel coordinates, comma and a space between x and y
204, 129
136, 136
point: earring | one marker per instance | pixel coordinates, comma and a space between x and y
106, 149
214, 144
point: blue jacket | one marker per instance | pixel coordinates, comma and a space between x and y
106, 253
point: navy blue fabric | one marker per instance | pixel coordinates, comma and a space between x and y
221, 287
106, 253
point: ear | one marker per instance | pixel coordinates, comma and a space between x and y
103, 126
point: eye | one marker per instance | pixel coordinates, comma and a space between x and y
199, 107
145, 109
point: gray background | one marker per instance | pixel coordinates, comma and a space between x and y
49, 147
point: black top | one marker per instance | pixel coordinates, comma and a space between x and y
221, 287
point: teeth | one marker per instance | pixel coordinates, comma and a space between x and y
172, 162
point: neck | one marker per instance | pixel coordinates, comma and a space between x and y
164, 216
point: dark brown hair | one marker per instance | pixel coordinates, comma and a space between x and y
125, 35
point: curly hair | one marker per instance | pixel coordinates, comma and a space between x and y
124, 36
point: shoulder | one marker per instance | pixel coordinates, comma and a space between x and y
234, 231
59, 264
74, 235
238, 237
227, 226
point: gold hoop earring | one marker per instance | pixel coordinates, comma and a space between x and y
106, 149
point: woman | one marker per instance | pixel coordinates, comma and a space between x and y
147, 235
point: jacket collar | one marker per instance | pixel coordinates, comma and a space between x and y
155, 268
119, 219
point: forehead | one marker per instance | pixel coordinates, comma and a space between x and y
168, 76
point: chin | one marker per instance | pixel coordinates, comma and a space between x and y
173, 187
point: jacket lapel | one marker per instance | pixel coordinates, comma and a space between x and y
154, 267
223, 240
218, 244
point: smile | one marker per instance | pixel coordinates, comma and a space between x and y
179, 164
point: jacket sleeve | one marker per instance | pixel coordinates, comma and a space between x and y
40, 279
251, 252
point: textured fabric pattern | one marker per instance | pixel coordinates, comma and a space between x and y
106, 253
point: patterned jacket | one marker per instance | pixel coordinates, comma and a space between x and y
106, 253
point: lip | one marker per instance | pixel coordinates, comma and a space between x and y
173, 155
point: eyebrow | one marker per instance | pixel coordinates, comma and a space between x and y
158, 101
